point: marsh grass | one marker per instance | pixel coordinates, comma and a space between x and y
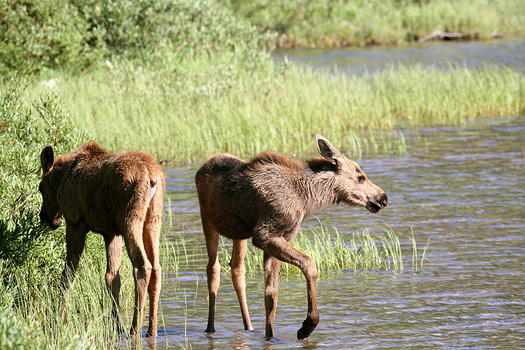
281, 109
307, 23
332, 252
35, 309
88, 321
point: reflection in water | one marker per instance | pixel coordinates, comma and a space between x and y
461, 187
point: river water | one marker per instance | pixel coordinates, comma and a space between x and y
475, 54
463, 188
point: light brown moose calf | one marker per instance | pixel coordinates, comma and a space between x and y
119, 196
267, 198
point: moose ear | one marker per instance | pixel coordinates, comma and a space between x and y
327, 150
47, 158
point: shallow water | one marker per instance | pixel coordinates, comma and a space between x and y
461, 187
474, 54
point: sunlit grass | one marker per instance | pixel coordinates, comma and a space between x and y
316, 23
88, 322
187, 117
361, 250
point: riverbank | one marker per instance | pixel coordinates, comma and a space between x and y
320, 24
278, 108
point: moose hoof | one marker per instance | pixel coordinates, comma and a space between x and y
151, 334
210, 329
307, 328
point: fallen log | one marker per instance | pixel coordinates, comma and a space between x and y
438, 33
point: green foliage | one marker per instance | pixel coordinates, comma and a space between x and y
23, 134
42, 34
320, 23
30, 256
14, 335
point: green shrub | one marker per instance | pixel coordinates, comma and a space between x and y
23, 134
31, 256
14, 335
41, 34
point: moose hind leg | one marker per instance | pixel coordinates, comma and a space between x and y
141, 271
151, 244
282, 250
213, 271
271, 291
114, 258
238, 279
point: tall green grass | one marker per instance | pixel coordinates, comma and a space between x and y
317, 23
188, 116
88, 323
332, 252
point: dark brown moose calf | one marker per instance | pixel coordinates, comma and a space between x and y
267, 198
119, 196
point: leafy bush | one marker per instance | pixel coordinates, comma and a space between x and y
40, 34
31, 258
23, 134
14, 335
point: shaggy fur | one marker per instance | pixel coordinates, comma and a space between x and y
267, 198
119, 196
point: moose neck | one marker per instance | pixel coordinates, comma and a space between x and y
318, 185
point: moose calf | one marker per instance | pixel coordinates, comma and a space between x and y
267, 198
119, 196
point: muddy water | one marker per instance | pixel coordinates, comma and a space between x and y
464, 188
505, 52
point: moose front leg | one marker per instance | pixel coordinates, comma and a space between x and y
282, 250
75, 242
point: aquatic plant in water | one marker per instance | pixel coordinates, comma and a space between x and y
332, 252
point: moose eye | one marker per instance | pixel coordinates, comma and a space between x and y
361, 179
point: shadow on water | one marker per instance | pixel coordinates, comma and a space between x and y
461, 187
475, 54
